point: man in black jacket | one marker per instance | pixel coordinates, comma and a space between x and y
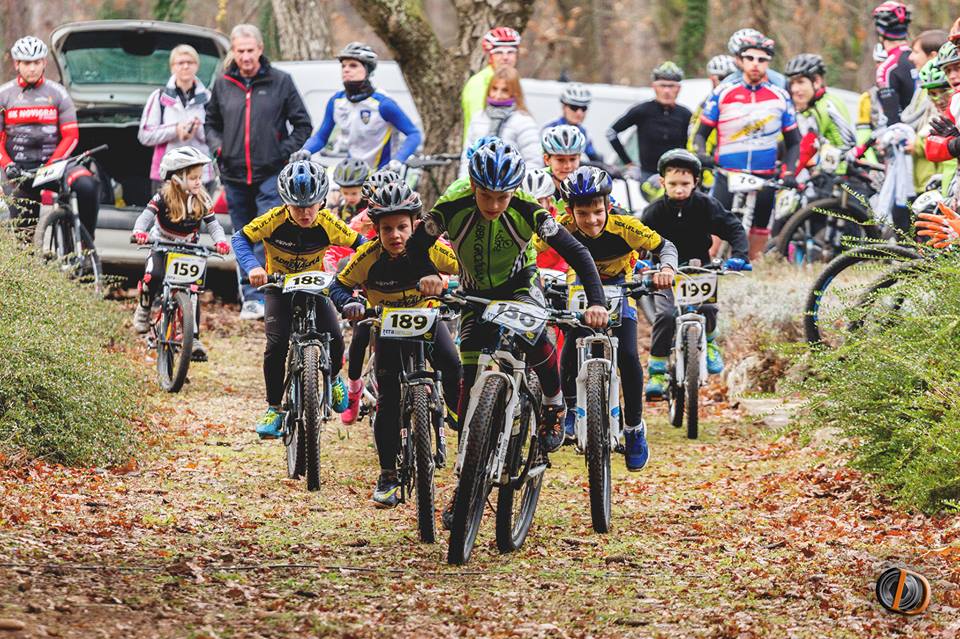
247, 130
689, 219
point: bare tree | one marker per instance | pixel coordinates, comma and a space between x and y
303, 29
434, 73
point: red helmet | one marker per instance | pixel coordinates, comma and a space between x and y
501, 37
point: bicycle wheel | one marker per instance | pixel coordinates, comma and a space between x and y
691, 381
422, 426
517, 501
804, 237
174, 341
54, 239
840, 288
314, 389
294, 440
598, 446
473, 485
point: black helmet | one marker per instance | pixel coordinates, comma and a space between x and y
377, 179
806, 64
682, 159
351, 172
585, 184
393, 198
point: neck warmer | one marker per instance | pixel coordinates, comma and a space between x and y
498, 115
358, 90
509, 102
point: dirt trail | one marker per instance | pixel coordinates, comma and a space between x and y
736, 535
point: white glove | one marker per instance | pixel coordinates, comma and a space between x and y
353, 311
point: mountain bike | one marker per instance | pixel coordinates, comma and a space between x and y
745, 187
59, 235
499, 439
422, 407
175, 322
308, 381
695, 286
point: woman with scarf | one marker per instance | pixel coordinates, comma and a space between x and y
368, 119
506, 117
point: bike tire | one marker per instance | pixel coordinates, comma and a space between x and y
513, 527
473, 486
811, 316
858, 216
691, 382
675, 399
314, 389
53, 239
176, 316
294, 440
422, 427
598, 447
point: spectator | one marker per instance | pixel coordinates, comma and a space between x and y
247, 130
502, 46
896, 75
574, 101
506, 117
173, 116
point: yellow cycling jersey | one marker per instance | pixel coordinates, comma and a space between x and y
392, 281
291, 248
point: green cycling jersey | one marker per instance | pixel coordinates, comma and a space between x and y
832, 121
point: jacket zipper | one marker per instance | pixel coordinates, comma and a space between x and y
246, 135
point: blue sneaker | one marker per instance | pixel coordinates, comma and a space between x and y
339, 397
569, 426
656, 387
387, 492
270, 425
714, 358
636, 453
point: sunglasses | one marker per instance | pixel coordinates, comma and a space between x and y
755, 58
576, 108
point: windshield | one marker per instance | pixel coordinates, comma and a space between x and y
130, 57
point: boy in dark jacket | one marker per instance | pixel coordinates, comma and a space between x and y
688, 218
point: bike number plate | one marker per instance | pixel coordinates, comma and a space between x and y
408, 323
696, 289
49, 173
830, 157
309, 281
577, 299
743, 182
523, 318
185, 269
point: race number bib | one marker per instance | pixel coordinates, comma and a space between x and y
696, 289
309, 281
408, 323
49, 173
185, 269
743, 182
523, 318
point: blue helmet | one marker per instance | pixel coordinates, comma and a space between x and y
485, 140
497, 166
586, 183
302, 183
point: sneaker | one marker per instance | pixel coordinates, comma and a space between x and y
339, 397
570, 426
656, 387
270, 426
387, 492
199, 353
251, 310
141, 319
636, 453
551, 431
353, 403
714, 358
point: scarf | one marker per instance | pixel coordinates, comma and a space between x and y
358, 90
498, 116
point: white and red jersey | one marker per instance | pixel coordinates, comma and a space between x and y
38, 123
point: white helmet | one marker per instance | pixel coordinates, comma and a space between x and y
28, 48
575, 94
738, 38
182, 157
927, 202
538, 183
721, 66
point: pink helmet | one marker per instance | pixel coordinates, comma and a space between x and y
501, 38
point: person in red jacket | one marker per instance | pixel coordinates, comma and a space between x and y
944, 142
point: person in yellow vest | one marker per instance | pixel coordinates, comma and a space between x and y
502, 46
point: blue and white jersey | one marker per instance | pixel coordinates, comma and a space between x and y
367, 129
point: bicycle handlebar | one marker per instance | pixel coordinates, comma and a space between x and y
199, 249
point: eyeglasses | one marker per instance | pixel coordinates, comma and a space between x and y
755, 58
575, 107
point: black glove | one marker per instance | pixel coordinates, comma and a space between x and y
944, 127
12, 171
706, 160
789, 181
953, 146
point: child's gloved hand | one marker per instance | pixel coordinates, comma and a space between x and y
139, 237
353, 311
942, 229
737, 264
222, 248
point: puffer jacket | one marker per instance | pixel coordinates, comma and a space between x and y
519, 129
158, 124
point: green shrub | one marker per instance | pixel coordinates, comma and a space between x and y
67, 393
893, 388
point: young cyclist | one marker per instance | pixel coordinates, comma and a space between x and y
349, 176
295, 236
575, 100
562, 147
612, 236
383, 270
174, 214
491, 226
689, 218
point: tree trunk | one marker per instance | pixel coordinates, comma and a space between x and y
436, 74
303, 29
760, 15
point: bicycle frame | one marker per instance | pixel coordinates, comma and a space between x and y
689, 316
304, 333
587, 352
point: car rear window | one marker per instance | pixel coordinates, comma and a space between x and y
131, 57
